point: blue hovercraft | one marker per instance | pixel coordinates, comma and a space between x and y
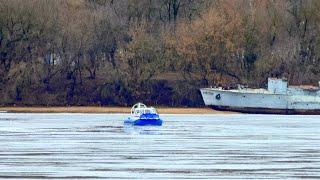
141, 115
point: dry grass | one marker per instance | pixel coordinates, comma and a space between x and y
106, 110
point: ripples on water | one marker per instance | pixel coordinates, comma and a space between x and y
187, 146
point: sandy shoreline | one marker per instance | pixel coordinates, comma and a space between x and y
88, 109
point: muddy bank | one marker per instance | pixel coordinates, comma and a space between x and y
161, 110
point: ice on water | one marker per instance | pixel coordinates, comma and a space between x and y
186, 146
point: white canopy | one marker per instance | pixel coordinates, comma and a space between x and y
141, 108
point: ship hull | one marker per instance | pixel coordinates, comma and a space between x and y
262, 102
251, 110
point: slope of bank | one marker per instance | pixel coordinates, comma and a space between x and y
88, 109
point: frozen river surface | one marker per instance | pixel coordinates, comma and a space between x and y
58, 146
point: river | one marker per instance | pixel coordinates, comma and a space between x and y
93, 146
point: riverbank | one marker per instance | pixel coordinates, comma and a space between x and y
89, 109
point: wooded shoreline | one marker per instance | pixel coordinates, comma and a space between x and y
109, 110
160, 52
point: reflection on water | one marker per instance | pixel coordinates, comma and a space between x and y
148, 130
75, 146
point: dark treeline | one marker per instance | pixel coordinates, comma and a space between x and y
117, 52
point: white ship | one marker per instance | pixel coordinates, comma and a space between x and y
278, 98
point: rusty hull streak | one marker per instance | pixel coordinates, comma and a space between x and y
266, 110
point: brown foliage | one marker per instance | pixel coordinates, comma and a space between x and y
84, 52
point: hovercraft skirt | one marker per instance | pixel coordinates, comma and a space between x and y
144, 122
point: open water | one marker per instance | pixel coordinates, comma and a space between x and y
93, 146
